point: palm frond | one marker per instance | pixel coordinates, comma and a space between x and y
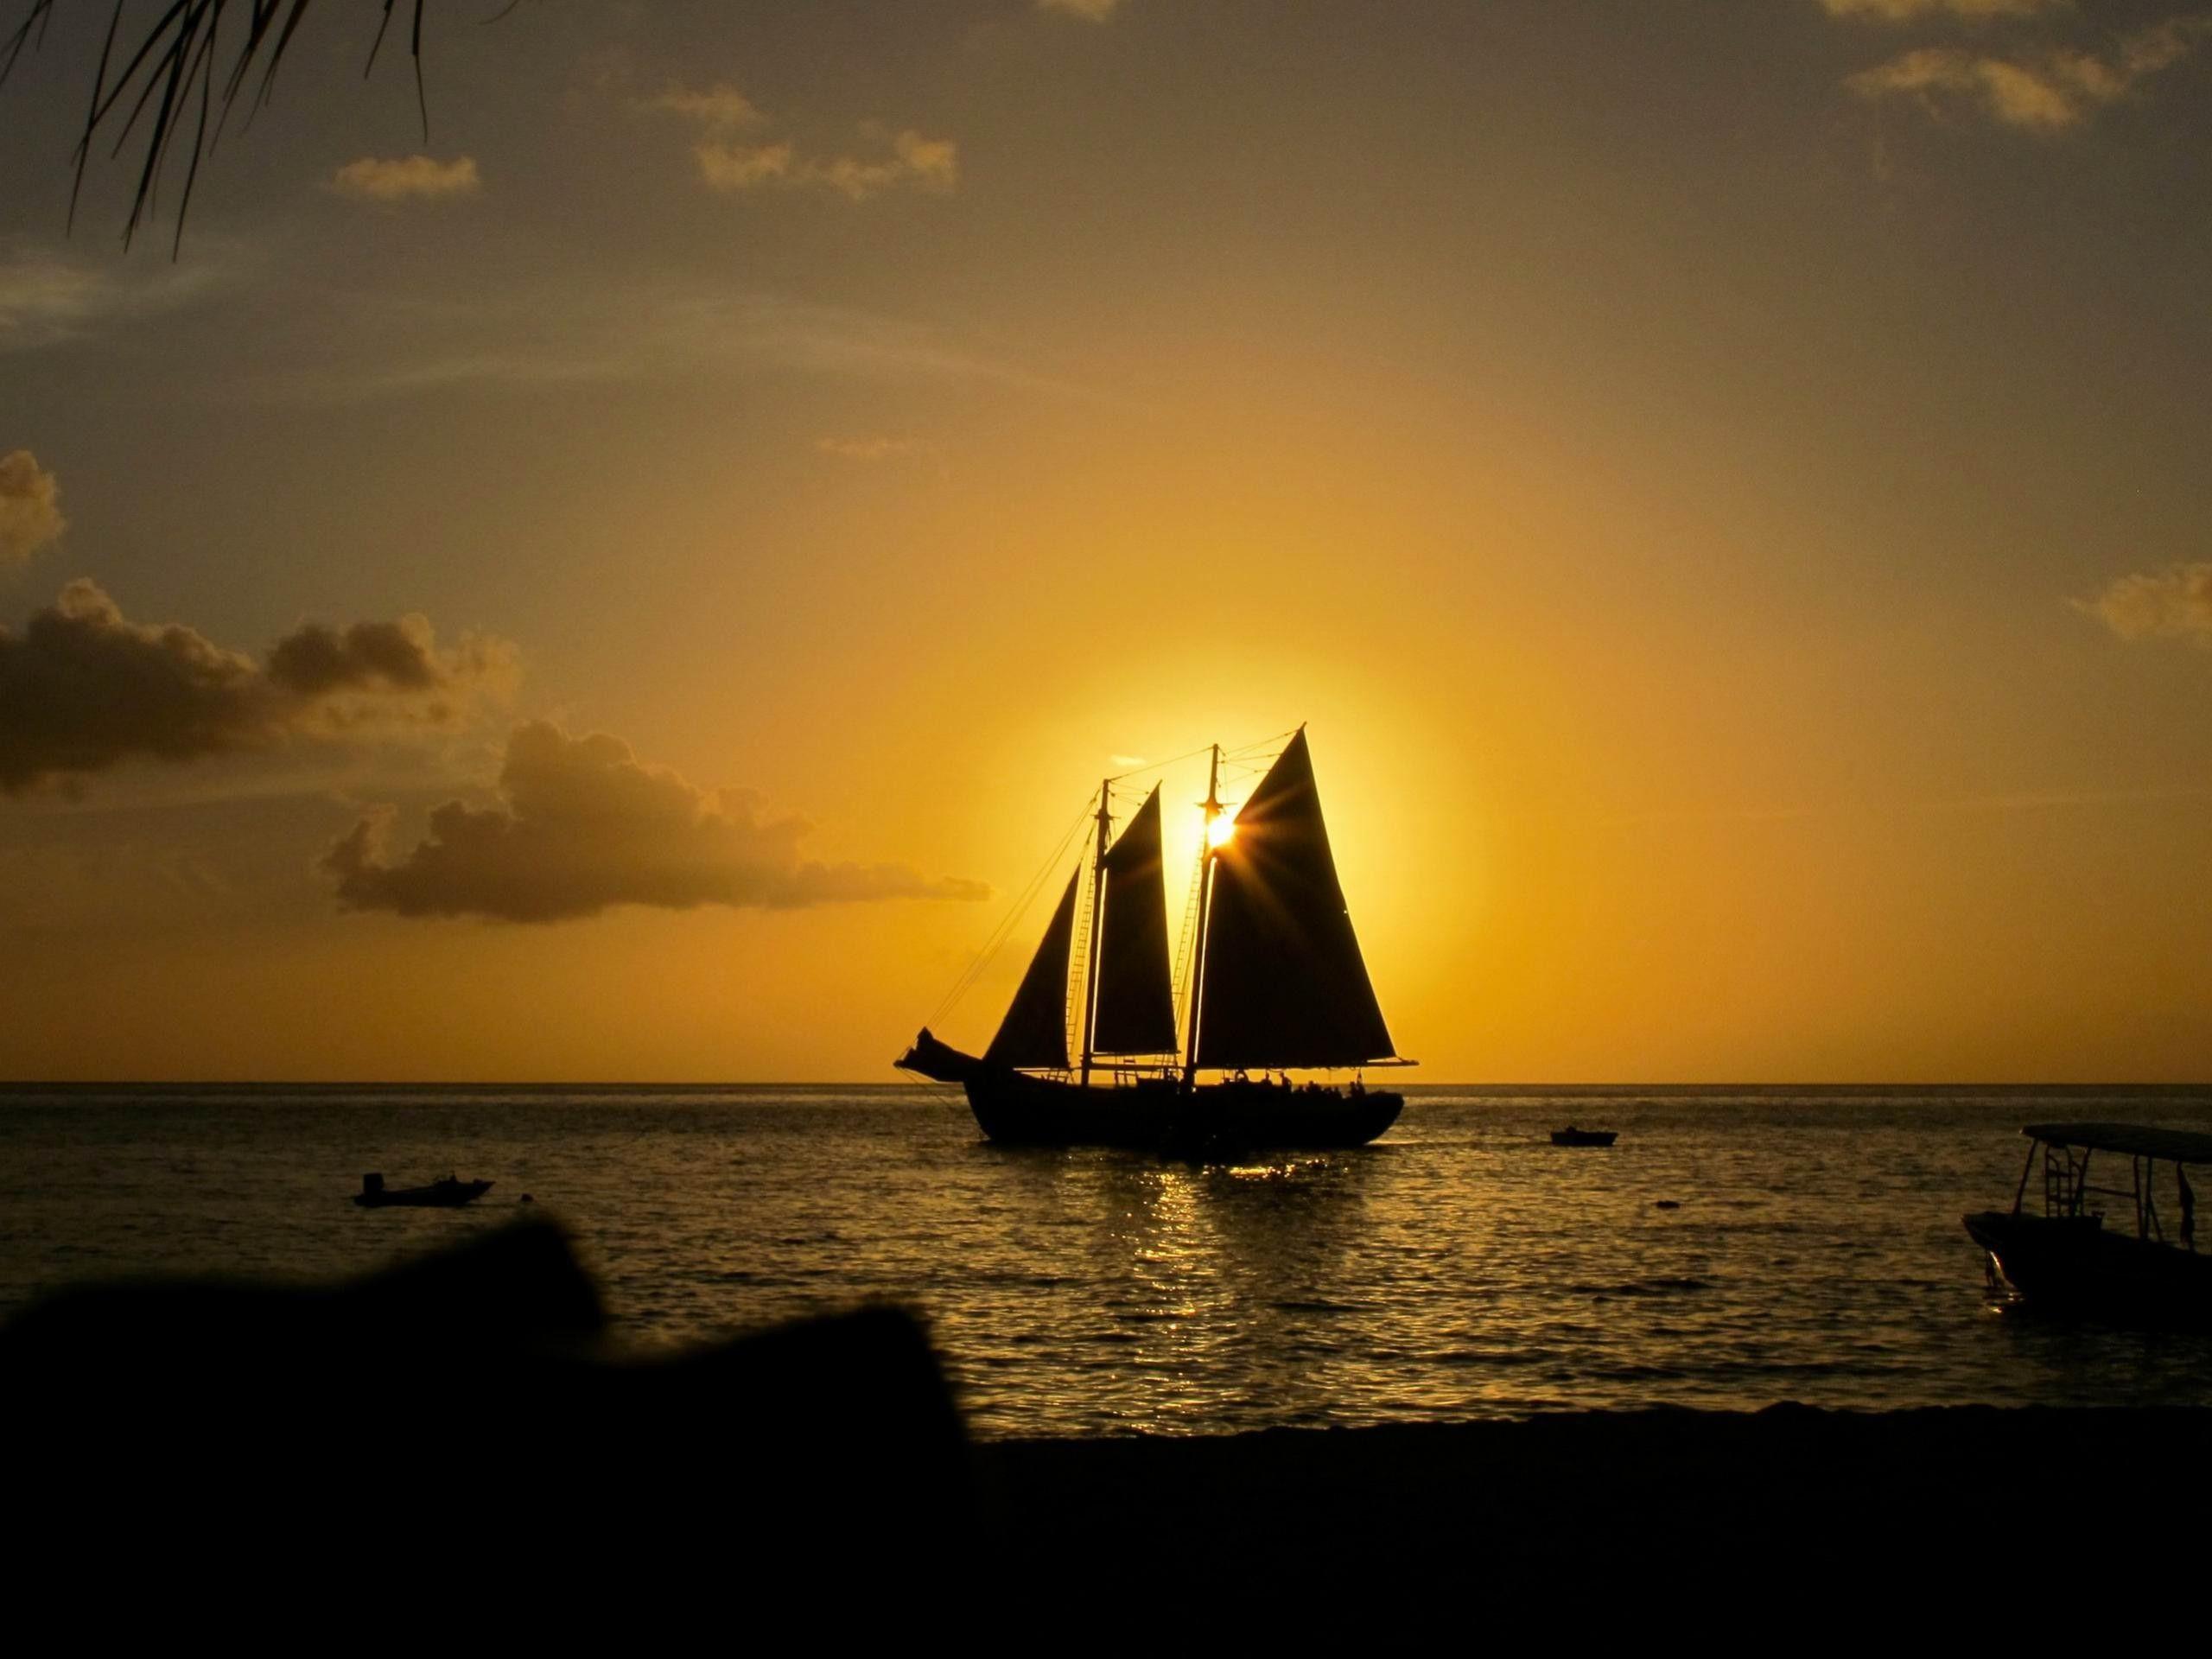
169, 81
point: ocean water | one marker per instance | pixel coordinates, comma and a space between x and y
1461, 1267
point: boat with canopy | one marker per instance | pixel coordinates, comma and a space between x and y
2068, 1261
1103, 1052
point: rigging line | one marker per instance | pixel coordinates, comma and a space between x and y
1159, 765
1242, 770
990, 950
1260, 748
999, 935
1126, 803
1227, 752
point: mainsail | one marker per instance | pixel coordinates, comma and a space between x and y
1283, 983
1137, 999
1035, 1034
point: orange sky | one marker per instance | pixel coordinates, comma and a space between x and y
1725, 484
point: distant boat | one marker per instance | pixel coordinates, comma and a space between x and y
1273, 981
447, 1194
1571, 1136
2066, 1260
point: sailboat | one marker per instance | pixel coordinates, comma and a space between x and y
1275, 981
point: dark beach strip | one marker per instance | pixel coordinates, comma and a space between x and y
468, 1405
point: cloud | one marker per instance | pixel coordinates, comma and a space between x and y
905, 160
930, 165
30, 507
2046, 91
744, 167
407, 178
1096, 11
581, 825
871, 449
718, 108
2172, 603
371, 673
1899, 11
82, 688
47, 297
567, 329
882, 451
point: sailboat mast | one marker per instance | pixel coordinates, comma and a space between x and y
1097, 901
1205, 893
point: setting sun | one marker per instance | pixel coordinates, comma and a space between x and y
1220, 831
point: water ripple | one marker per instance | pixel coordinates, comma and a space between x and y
1464, 1267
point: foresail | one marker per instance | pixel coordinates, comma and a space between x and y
1033, 1036
1137, 999
1284, 983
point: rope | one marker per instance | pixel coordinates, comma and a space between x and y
1000, 934
1160, 766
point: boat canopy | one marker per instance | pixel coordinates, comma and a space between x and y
2176, 1146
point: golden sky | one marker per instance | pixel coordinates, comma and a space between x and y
629, 587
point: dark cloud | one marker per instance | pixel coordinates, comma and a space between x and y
372, 672
582, 825
316, 659
83, 688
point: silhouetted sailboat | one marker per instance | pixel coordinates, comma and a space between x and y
1275, 983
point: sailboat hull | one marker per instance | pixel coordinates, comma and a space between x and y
1015, 1109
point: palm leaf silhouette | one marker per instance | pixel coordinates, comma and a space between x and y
184, 75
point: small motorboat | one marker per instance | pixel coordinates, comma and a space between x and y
447, 1194
1571, 1136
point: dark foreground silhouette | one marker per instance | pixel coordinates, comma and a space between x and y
454, 1435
